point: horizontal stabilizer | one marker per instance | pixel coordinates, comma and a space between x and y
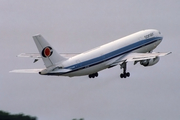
26, 71
30, 55
37, 55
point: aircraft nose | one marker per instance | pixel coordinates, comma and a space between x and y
159, 35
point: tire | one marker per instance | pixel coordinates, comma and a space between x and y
127, 74
121, 75
96, 74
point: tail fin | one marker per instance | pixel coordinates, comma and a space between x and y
47, 52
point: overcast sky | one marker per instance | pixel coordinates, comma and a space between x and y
151, 93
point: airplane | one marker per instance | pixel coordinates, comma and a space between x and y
137, 47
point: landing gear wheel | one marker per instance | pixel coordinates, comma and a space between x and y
90, 76
93, 75
124, 74
127, 74
96, 74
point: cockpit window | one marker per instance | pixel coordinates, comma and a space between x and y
159, 32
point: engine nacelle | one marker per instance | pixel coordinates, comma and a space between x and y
150, 62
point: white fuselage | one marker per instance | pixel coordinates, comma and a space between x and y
101, 57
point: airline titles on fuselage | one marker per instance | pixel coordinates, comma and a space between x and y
149, 35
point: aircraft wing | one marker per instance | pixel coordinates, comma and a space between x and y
143, 56
26, 71
39, 70
37, 55
138, 57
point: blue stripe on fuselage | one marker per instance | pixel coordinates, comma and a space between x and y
112, 54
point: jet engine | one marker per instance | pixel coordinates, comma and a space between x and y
149, 62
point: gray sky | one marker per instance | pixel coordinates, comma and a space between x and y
151, 93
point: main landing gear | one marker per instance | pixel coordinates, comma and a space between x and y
124, 74
93, 75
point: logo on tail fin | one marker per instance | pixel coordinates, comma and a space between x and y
47, 51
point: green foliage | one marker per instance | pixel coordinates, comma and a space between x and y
8, 116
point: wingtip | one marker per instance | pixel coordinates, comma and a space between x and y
37, 35
169, 53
